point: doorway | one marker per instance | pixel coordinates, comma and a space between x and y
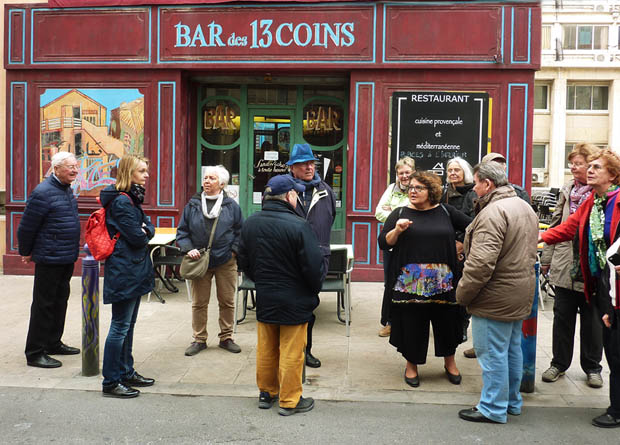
250, 130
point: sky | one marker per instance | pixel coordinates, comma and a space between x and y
108, 97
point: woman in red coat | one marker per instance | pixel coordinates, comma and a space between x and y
596, 222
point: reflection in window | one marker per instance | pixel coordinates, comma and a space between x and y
585, 37
330, 168
540, 97
323, 123
221, 122
272, 95
539, 156
586, 97
272, 143
227, 158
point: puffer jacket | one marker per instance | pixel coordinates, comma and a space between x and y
192, 232
393, 197
129, 270
279, 252
560, 256
500, 246
50, 226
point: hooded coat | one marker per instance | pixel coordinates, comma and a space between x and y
129, 270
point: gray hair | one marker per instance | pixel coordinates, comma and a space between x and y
268, 197
468, 174
492, 171
220, 171
60, 157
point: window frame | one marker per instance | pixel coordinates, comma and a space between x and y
547, 99
590, 110
576, 41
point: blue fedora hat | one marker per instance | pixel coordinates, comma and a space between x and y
301, 153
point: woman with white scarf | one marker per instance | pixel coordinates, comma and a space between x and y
204, 210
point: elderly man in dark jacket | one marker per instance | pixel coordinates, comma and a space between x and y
279, 251
316, 203
49, 236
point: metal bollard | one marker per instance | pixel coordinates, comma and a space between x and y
528, 341
90, 314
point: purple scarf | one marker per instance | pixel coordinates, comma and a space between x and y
578, 194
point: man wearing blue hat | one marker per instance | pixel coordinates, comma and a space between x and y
318, 206
280, 253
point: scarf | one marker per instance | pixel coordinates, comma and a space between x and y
137, 191
598, 247
578, 194
310, 185
217, 207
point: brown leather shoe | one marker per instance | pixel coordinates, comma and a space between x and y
470, 353
385, 331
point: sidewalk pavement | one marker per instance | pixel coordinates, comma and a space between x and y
362, 367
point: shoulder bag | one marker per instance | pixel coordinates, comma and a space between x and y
193, 269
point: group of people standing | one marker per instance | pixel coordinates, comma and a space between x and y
470, 244
49, 235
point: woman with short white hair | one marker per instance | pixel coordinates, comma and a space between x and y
210, 210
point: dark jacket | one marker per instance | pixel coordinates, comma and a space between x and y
50, 226
462, 198
192, 232
321, 214
128, 271
521, 193
280, 253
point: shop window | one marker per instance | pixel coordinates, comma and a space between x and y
222, 90
587, 97
584, 37
330, 167
221, 122
272, 95
227, 158
336, 92
323, 123
541, 97
539, 156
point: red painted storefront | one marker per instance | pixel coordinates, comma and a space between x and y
165, 52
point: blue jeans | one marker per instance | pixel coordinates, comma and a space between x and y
117, 358
498, 348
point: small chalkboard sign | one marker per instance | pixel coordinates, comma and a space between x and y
432, 127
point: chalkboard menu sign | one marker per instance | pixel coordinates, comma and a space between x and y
432, 127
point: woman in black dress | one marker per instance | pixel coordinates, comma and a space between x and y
423, 275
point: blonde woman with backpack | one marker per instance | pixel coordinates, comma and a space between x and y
128, 274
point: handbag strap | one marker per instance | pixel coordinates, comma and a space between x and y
213, 232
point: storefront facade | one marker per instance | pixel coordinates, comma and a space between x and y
238, 84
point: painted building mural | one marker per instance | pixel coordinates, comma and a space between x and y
99, 126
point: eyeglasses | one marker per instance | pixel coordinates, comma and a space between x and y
417, 188
576, 165
71, 167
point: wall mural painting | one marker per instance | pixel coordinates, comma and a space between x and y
98, 125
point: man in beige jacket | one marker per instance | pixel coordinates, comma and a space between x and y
497, 287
